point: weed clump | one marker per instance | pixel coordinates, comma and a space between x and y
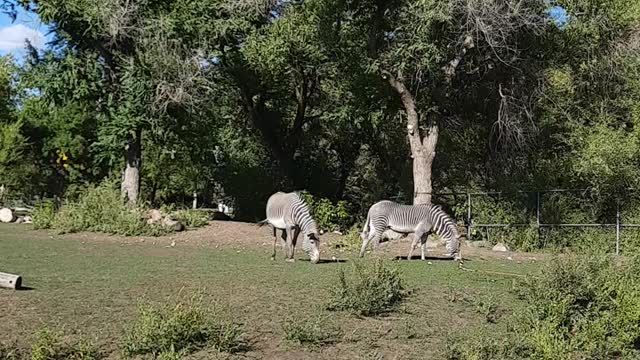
49, 345
179, 329
102, 209
369, 288
43, 215
191, 218
312, 332
576, 308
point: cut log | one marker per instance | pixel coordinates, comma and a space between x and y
10, 281
6, 215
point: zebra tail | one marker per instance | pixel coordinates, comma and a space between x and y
365, 230
263, 222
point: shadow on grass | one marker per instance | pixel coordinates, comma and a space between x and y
428, 258
327, 261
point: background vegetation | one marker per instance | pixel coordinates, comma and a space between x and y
233, 100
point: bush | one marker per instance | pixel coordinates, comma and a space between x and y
351, 241
577, 308
370, 288
177, 329
191, 218
314, 331
43, 215
329, 217
102, 209
50, 346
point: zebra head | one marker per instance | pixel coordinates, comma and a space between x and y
311, 245
453, 247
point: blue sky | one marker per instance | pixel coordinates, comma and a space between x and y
14, 34
28, 26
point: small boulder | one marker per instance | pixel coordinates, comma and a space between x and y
20, 220
154, 217
167, 222
28, 219
480, 244
500, 247
431, 244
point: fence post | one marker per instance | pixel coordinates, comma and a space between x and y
468, 216
618, 229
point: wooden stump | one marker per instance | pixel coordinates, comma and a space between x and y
6, 215
10, 281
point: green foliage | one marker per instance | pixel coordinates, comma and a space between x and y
351, 241
329, 216
43, 215
167, 330
314, 331
102, 209
49, 345
576, 308
192, 217
370, 288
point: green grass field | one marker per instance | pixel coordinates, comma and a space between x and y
92, 289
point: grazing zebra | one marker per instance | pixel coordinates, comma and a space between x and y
289, 213
421, 220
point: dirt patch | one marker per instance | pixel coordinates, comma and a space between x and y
241, 235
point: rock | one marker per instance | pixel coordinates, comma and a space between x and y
500, 247
20, 220
432, 244
6, 215
154, 217
28, 220
480, 244
167, 222
337, 232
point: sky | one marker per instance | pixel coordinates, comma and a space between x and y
28, 26
13, 34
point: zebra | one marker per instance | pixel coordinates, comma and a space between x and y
289, 212
421, 220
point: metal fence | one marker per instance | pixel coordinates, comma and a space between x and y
616, 224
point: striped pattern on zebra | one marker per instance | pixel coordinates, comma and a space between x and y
289, 212
421, 220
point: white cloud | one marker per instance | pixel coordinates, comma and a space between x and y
14, 37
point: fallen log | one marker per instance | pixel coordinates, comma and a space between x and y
10, 281
6, 215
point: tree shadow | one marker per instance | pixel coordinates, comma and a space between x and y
327, 261
427, 258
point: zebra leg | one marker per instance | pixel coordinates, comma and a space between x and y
366, 241
283, 242
423, 245
414, 244
275, 240
289, 244
294, 241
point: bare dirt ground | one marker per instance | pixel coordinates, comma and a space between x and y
241, 235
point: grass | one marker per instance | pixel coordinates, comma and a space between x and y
94, 288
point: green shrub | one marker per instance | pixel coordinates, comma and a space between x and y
577, 308
329, 216
181, 328
49, 345
370, 288
102, 209
192, 217
351, 241
314, 331
43, 215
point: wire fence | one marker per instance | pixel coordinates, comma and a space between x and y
532, 211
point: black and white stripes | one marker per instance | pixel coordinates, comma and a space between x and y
289, 212
421, 220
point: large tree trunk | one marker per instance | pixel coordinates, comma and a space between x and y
131, 178
423, 150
